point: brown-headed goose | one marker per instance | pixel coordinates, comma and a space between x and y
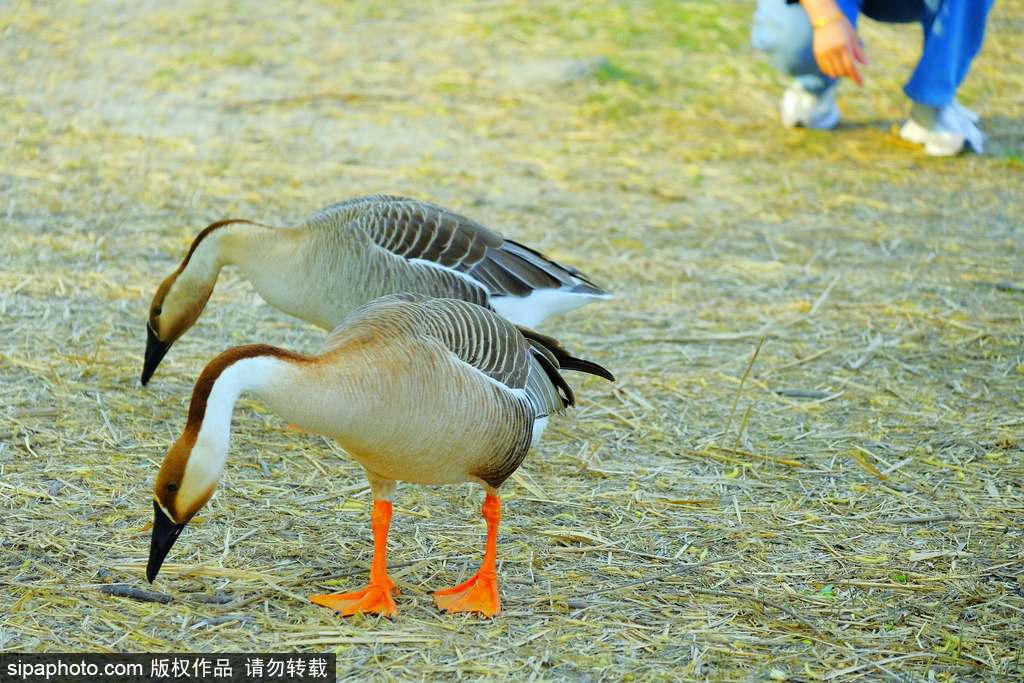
354, 251
430, 391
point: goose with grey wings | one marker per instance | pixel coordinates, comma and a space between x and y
415, 389
355, 251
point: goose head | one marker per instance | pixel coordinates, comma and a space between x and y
185, 483
193, 466
176, 307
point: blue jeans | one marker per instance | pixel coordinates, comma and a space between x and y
953, 33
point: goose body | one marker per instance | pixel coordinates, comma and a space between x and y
355, 251
429, 391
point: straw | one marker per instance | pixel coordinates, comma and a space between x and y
849, 506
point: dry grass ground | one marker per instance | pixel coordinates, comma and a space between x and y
849, 509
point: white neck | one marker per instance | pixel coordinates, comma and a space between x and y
210, 451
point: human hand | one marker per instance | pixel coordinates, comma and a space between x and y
837, 49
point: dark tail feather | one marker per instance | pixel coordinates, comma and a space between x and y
551, 370
547, 265
564, 359
589, 367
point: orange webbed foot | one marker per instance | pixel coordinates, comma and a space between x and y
375, 598
479, 594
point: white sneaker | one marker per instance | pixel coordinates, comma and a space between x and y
951, 132
801, 108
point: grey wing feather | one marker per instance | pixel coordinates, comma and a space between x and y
480, 338
476, 335
518, 358
497, 348
420, 230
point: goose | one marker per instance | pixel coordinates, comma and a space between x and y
355, 251
423, 390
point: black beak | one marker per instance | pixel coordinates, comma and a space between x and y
155, 351
165, 533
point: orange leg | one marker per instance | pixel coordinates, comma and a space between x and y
480, 593
376, 597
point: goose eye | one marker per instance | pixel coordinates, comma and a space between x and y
173, 486
158, 310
